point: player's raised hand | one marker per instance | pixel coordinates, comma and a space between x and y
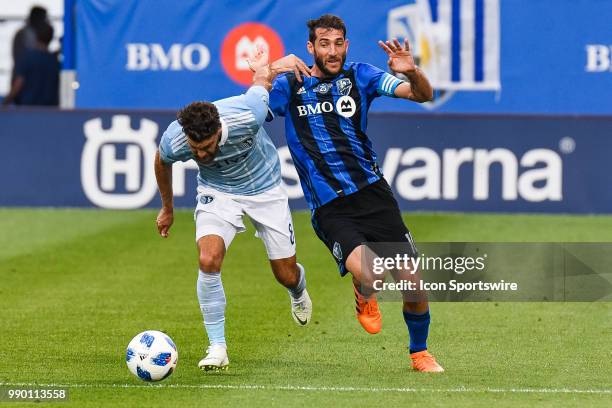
164, 221
259, 58
291, 63
400, 57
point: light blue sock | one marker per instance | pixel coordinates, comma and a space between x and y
299, 289
212, 304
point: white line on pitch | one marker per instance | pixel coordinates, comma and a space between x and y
323, 389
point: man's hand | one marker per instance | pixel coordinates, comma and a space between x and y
259, 59
400, 58
265, 75
290, 63
163, 175
165, 218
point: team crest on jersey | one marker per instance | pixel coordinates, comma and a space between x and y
337, 251
344, 86
206, 199
323, 88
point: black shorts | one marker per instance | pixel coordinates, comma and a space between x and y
369, 215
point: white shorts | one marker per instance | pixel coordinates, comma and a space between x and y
219, 213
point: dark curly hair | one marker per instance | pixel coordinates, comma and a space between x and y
328, 21
200, 120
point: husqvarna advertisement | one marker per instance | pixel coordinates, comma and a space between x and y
433, 162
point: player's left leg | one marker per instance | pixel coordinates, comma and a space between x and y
417, 318
271, 217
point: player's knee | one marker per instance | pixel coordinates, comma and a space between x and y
210, 261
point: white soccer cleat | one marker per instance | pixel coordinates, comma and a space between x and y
216, 358
301, 308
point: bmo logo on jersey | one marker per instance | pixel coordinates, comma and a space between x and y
345, 106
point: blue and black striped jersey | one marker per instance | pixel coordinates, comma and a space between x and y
325, 126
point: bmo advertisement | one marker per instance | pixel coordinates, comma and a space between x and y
481, 56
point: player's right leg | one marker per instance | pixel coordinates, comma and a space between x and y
292, 275
271, 216
213, 236
341, 234
366, 306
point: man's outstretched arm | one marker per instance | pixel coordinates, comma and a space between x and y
418, 89
400, 60
163, 174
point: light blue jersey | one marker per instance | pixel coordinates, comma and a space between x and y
247, 162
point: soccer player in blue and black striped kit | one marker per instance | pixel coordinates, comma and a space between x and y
351, 203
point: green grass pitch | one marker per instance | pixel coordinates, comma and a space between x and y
77, 285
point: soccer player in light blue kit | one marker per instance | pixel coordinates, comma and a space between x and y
239, 174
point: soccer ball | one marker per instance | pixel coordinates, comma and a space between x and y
151, 356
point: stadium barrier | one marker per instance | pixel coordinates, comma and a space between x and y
434, 162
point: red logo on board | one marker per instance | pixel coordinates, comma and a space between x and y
240, 43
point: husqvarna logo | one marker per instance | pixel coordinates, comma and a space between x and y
100, 165
421, 173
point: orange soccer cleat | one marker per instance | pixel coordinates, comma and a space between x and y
426, 363
367, 312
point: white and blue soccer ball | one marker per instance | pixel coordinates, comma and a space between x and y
151, 356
